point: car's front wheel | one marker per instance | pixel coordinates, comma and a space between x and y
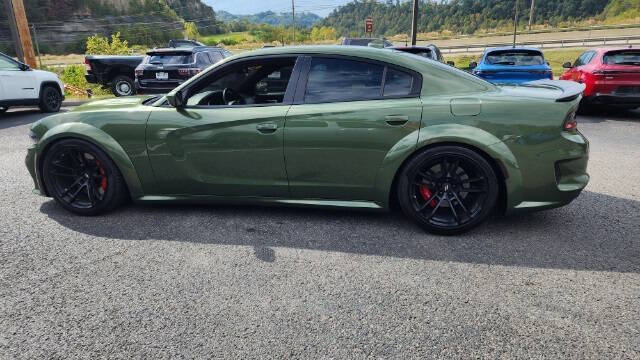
82, 178
50, 99
448, 190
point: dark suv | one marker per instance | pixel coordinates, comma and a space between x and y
164, 69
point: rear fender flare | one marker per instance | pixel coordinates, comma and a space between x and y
99, 138
449, 134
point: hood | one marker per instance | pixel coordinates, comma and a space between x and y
112, 103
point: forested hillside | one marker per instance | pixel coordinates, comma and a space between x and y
304, 19
462, 16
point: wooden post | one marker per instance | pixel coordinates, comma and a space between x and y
414, 23
533, 2
515, 25
20, 32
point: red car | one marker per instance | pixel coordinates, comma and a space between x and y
612, 76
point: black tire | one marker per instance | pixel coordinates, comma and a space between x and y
82, 178
447, 190
50, 99
123, 85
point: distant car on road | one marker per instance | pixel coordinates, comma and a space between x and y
22, 86
164, 69
373, 42
611, 76
512, 65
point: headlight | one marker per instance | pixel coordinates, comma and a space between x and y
34, 137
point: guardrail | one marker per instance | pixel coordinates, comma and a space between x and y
548, 44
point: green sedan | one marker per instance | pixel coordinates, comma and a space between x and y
323, 126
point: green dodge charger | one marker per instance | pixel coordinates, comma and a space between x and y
323, 126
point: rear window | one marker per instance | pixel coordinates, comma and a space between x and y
343, 80
170, 59
625, 57
515, 57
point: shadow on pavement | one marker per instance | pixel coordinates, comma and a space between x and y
596, 232
608, 114
19, 117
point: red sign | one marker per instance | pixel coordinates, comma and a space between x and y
368, 25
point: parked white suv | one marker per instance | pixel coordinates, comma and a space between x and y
23, 86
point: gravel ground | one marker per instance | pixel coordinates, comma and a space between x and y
231, 282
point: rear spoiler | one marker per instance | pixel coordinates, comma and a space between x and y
571, 90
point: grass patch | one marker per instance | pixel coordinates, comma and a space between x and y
227, 38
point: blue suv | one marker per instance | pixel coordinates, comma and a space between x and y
512, 65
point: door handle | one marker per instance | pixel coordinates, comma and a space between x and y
267, 128
396, 120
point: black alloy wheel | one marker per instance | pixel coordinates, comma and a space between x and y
82, 178
448, 190
50, 99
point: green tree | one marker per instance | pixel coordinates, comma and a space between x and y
191, 31
100, 45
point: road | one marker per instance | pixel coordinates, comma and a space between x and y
239, 282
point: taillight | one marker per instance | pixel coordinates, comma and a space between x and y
570, 123
188, 72
139, 72
87, 64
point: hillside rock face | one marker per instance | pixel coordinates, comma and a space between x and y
63, 25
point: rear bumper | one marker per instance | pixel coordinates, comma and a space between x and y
155, 87
92, 79
614, 100
553, 177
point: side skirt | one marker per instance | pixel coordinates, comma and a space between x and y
246, 200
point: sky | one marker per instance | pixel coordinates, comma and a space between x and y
247, 7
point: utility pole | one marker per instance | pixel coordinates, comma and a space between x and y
414, 23
20, 32
293, 20
515, 25
533, 2
35, 39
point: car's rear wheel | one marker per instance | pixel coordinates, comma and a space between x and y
122, 86
50, 99
448, 190
82, 178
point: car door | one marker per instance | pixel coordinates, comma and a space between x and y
218, 147
15, 82
575, 72
348, 115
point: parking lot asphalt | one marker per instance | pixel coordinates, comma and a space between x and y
230, 282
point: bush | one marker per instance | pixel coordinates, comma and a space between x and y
100, 45
228, 41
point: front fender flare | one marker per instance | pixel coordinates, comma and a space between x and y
99, 138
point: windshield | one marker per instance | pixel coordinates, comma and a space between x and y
625, 57
515, 57
170, 59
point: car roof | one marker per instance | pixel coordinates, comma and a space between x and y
507, 48
613, 48
184, 49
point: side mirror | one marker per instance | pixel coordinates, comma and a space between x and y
451, 63
473, 65
24, 67
176, 99
567, 65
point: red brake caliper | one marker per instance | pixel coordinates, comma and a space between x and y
103, 182
427, 194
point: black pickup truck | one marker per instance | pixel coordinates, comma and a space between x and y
114, 72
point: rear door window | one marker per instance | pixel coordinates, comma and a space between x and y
202, 60
397, 83
333, 80
585, 58
215, 56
